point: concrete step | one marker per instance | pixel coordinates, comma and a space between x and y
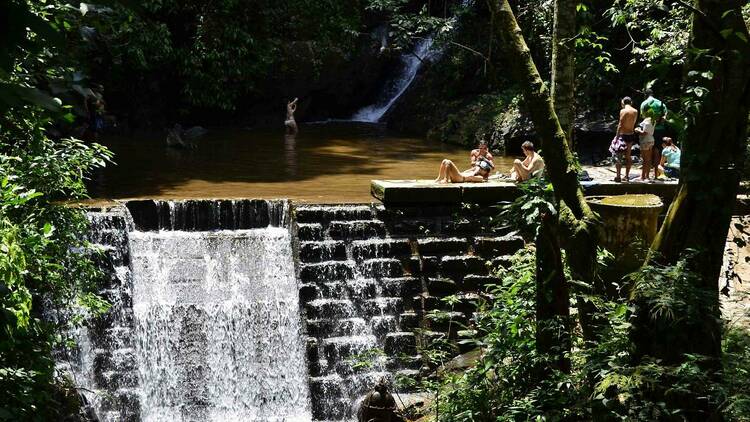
356, 229
327, 213
330, 309
326, 272
442, 246
400, 343
380, 268
309, 232
492, 247
322, 251
380, 248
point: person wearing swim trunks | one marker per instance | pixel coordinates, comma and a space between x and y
645, 132
626, 133
530, 167
449, 173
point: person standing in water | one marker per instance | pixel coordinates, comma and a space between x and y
290, 123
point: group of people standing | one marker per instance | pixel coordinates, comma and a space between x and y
657, 150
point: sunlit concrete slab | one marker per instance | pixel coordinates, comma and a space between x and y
429, 192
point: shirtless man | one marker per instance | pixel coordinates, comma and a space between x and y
626, 132
290, 123
481, 151
523, 170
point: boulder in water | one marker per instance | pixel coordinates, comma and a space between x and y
179, 138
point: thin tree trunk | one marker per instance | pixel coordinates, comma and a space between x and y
552, 298
563, 65
579, 223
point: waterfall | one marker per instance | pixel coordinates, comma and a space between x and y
211, 327
410, 64
217, 326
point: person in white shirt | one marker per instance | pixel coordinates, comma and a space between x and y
646, 133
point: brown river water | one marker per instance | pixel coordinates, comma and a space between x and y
324, 163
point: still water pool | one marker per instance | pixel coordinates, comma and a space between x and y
324, 163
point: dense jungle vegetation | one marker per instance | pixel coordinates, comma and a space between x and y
555, 343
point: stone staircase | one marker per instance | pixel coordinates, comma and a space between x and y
368, 277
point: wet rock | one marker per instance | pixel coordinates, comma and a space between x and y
491, 247
359, 230
398, 343
310, 232
326, 271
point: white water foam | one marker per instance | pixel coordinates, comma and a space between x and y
217, 326
410, 64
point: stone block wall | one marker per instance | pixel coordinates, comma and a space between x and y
369, 275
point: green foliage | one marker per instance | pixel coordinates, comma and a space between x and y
215, 54
505, 383
47, 274
366, 359
524, 213
43, 257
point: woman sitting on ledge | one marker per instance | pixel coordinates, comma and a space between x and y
449, 173
530, 167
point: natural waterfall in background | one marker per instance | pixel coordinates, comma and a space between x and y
410, 63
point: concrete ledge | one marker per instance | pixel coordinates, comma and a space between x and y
392, 192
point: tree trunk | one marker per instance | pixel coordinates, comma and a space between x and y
712, 160
579, 223
552, 298
563, 65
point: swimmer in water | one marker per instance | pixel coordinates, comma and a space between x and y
290, 123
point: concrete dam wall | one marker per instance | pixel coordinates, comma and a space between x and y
268, 311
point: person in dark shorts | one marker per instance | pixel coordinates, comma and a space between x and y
626, 134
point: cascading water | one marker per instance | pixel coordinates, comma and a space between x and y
410, 64
217, 326
214, 329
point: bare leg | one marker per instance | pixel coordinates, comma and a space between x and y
452, 172
628, 161
618, 166
442, 173
521, 173
656, 158
646, 156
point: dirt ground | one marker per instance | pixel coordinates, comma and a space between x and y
736, 306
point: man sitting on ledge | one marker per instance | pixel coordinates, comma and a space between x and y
530, 167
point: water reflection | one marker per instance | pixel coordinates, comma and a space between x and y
290, 153
323, 163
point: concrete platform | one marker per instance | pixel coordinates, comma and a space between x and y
428, 192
